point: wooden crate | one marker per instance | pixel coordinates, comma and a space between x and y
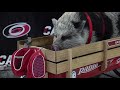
66, 60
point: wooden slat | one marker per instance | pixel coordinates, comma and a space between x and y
19, 46
83, 50
51, 67
63, 67
80, 62
69, 73
79, 51
113, 53
39, 41
46, 75
51, 55
87, 60
104, 64
60, 55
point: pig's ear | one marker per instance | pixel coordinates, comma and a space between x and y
82, 26
54, 21
79, 25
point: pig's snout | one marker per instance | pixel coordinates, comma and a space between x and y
55, 48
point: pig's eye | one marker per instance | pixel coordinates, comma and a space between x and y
76, 24
66, 37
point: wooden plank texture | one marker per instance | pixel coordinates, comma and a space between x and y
76, 51
39, 41
104, 64
69, 73
57, 56
87, 60
51, 67
84, 49
79, 51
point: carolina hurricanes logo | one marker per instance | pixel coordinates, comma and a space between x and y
16, 30
47, 30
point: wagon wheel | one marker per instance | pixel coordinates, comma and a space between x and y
116, 72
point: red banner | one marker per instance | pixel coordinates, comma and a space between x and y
95, 69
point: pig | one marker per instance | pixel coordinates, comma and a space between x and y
72, 29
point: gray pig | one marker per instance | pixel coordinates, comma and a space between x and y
72, 28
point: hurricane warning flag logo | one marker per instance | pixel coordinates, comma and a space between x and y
16, 30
